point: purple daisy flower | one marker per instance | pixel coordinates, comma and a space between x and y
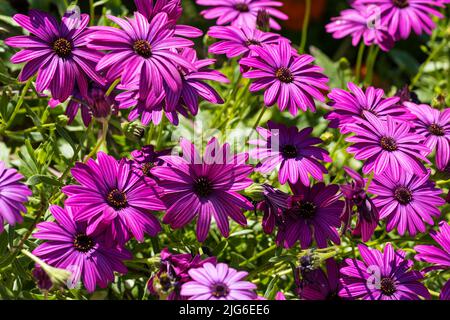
204, 187
314, 212
13, 194
242, 13
147, 158
404, 16
58, 53
387, 144
141, 50
111, 193
318, 285
406, 201
356, 197
350, 107
439, 257
274, 204
235, 42
288, 79
292, 150
173, 272
218, 282
89, 256
381, 276
361, 22
434, 125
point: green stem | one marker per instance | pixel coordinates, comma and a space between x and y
112, 87
305, 27
100, 142
370, 64
18, 105
261, 114
160, 131
260, 254
91, 12
433, 54
369, 181
359, 61
32, 129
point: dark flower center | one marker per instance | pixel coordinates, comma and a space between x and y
254, 42
403, 195
387, 286
62, 47
436, 130
284, 75
289, 151
143, 48
388, 144
203, 187
146, 168
401, 3
83, 243
305, 209
117, 199
219, 290
242, 7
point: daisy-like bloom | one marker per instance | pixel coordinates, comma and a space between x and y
13, 195
57, 52
88, 255
439, 257
242, 13
404, 16
218, 282
204, 187
111, 193
434, 125
381, 276
352, 106
314, 213
387, 144
274, 204
235, 42
141, 50
147, 158
361, 22
320, 285
173, 272
292, 150
407, 201
290, 80
358, 201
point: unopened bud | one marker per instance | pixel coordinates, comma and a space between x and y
255, 192
263, 20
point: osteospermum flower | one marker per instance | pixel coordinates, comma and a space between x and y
434, 125
13, 194
404, 16
293, 151
141, 50
361, 23
147, 158
88, 255
242, 13
320, 285
218, 282
383, 275
235, 42
204, 187
387, 144
439, 257
314, 213
407, 201
288, 79
111, 193
57, 52
351, 106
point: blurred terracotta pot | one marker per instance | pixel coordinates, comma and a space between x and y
296, 11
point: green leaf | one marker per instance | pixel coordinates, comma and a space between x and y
38, 178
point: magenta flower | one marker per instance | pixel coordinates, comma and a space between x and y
292, 150
145, 159
434, 125
218, 282
314, 213
235, 42
288, 79
319, 285
242, 13
404, 16
439, 257
381, 276
361, 22
387, 144
351, 107
407, 201
204, 187
58, 53
141, 50
111, 193
89, 256
13, 195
